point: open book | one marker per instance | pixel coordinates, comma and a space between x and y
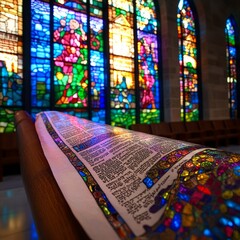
122, 184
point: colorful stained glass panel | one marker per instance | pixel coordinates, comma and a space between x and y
70, 58
96, 8
231, 55
148, 71
146, 16
78, 65
97, 70
40, 55
121, 48
11, 65
40, 21
40, 75
189, 94
73, 4
148, 61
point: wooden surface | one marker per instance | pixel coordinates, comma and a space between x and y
53, 217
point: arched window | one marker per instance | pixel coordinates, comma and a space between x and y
188, 61
100, 65
231, 54
10, 62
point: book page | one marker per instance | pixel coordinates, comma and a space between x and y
126, 175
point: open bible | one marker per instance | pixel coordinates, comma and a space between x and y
123, 184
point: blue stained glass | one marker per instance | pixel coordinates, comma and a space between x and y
111, 208
97, 70
232, 51
82, 174
162, 202
38, 27
97, 58
148, 182
40, 54
236, 170
98, 76
207, 232
40, 20
97, 90
232, 204
58, 48
226, 222
184, 197
99, 116
176, 222
236, 221
40, 49
161, 228
11, 89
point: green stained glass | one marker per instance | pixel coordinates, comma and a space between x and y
149, 116
7, 119
122, 117
96, 7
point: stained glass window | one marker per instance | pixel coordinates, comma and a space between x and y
148, 61
103, 72
11, 81
231, 54
188, 62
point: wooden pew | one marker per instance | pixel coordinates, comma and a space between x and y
53, 217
